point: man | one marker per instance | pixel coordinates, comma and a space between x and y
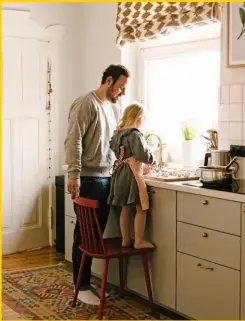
92, 120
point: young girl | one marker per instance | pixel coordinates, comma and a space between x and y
128, 187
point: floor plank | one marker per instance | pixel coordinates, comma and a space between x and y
31, 259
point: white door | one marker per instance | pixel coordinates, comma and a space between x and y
24, 145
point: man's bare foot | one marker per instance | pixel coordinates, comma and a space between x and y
143, 245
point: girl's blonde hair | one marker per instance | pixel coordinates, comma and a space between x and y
131, 114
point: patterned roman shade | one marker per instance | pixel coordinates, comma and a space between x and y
144, 20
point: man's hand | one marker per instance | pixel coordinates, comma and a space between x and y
73, 187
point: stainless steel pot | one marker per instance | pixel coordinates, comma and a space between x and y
217, 175
217, 157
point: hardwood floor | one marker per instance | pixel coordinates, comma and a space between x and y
31, 259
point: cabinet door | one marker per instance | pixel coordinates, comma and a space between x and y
69, 228
161, 230
243, 265
69, 206
206, 290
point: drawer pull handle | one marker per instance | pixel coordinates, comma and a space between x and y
204, 234
204, 268
205, 202
72, 222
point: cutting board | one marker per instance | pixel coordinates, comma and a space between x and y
172, 178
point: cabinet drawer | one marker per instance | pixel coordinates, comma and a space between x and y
210, 245
206, 290
69, 228
69, 206
217, 214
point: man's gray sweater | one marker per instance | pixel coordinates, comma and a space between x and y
90, 128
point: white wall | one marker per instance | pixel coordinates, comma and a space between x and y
232, 98
229, 75
129, 60
98, 36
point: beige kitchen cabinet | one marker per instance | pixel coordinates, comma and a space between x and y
217, 214
216, 247
206, 290
243, 265
69, 206
161, 230
70, 221
69, 228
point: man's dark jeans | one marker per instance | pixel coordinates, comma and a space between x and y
95, 188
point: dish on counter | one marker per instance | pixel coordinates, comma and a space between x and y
171, 174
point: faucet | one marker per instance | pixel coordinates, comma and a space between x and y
161, 163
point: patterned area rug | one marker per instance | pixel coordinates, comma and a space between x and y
47, 293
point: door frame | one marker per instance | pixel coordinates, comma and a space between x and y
19, 24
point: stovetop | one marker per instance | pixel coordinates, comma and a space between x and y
237, 186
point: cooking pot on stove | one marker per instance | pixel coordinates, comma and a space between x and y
219, 176
217, 158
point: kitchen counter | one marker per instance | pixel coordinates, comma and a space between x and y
198, 268
179, 187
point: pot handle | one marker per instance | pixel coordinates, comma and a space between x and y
207, 156
237, 168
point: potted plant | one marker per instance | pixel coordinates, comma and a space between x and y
189, 135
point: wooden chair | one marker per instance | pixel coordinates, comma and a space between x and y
94, 245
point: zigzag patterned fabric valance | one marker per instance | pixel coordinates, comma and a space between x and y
145, 20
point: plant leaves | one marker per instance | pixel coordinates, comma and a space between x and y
242, 15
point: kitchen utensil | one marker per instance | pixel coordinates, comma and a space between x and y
211, 133
216, 139
207, 138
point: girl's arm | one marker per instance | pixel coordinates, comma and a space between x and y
140, 149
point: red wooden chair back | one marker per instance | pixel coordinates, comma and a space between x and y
91, 236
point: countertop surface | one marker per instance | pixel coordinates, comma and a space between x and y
179, 187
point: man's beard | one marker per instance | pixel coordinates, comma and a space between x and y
110, 96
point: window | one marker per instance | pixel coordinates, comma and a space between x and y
179, 84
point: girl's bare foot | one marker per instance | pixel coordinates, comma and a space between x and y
143, 245
126, 243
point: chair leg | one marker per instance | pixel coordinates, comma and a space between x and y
121, 276
148, 282
82, 264
103, 286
